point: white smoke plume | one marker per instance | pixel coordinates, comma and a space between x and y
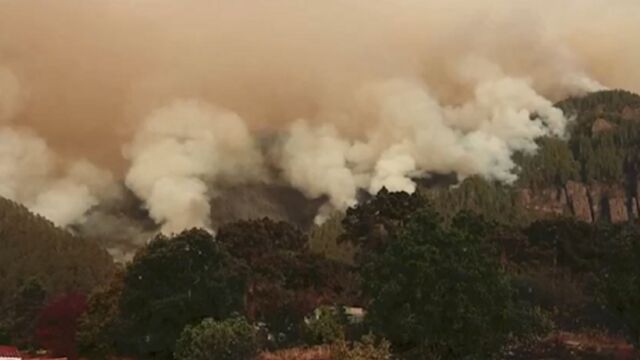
411, 133
357, 94
179, 154
31, 173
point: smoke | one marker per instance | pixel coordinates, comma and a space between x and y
10, 94
180, 153
180, 100
31, 173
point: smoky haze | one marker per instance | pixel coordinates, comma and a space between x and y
178, 99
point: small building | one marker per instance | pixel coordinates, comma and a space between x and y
9, 353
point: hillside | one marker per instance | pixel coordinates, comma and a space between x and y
33, 248
593, 175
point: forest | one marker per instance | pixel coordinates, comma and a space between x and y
458, 272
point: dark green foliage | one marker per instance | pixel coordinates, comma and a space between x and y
231, 339
325, 325
325, 240
611, 101
174, 282
368, 348
564, 242
494, 201
23, 311
5, 334
253, 238
285, 280
99, 329
552, 163
619, 279
370, 224
440, 291
33, 248
603, 145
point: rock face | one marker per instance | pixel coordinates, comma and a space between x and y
601, 125
586, 202
578, 198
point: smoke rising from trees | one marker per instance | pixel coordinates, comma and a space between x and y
177, 100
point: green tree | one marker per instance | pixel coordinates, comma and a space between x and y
325, 325
33, 248
98, 329
24, 310
285, 280
324, 239
552, 164
370, 224
174, 282
619, 280
440, 291
231, 339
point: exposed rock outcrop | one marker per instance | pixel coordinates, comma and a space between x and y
601, 125
586, 202
578, 199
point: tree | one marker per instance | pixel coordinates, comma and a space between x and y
285, 280
370, 224
174, 282
231, 339
619, 280
99, 328
325, 326
23, 312
440, 291
33, 248
57, 323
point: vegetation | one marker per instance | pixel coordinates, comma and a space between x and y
34, 251
286, 281
366, 349
440, 291
231, 339
325, 326
460, 273
175, 282
100, 328
496, 202
619, 282
603, 146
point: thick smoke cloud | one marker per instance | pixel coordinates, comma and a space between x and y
180, 99
178, 155
31, 173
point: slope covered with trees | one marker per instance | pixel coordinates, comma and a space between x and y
39, 261
591, 175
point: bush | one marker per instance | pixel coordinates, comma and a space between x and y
366, 349
174, 282
619, 280
231, 339
325, 326
441, 291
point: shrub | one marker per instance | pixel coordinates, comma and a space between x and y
174, 282
325, 326
365, 349
441, 291
231, 339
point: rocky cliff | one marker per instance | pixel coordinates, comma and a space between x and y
595, 175
587, 202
